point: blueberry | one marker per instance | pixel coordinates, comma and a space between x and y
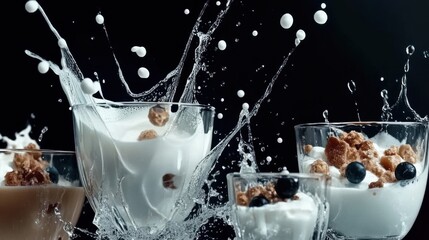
405, 171
355, 172
54, 175
287, 187
258, 201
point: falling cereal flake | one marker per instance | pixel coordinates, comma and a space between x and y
240, 93
31, 6
143, 72
186, 11
99, 18
88, 86
286, 21
300, 34
43, 67
62, 43
320, 17
279, 140
140, 51
220, 115
221, 45
255, 33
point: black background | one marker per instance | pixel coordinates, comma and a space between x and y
362, 41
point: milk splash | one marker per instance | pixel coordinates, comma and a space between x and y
79, 89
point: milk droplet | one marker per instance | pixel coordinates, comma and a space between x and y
220, 115
384, 94
323, 5
31, 6
279, 140
240, 93
217, 3
222, 99
300, 34
99, 18
186, 11
140, 51
255, 33
410, 50
43, 67
351, 86
88, 86
297, 41
143, 72
245, 106
382, 79
62, 43
268, 158
325, 115
286, 21
221, 45
320, 17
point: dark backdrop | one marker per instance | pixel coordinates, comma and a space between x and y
362, 41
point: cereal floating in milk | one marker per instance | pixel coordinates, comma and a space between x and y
147, 134
158, 115
168, 181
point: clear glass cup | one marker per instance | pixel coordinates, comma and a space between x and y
136, 161
41, 196
379, 174
278, 206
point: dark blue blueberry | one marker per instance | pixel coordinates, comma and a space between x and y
54, 175
355, 172
405, 171
258, 201
287, 187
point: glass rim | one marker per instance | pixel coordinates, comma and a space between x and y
42, 150
136, 103
358, 123
277, 174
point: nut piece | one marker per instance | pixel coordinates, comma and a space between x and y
319, 166
168, 181
336, 151
390, 162
147, 134
308, 148
158, 115
353, 138
407, 153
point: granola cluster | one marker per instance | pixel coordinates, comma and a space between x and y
352, 146
158, 116
29, 169
243, 198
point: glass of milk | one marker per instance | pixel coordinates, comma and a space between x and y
41, 196
379, 174
278, 206
137, 161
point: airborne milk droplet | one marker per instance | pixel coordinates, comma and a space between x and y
220, 115
245, 106
88, 86
140, 51
143, 72
99, 18
255, 33
240, 93
300, 34
221, 45
43, 67
286, 21
186, 11
31, 6
320, 17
